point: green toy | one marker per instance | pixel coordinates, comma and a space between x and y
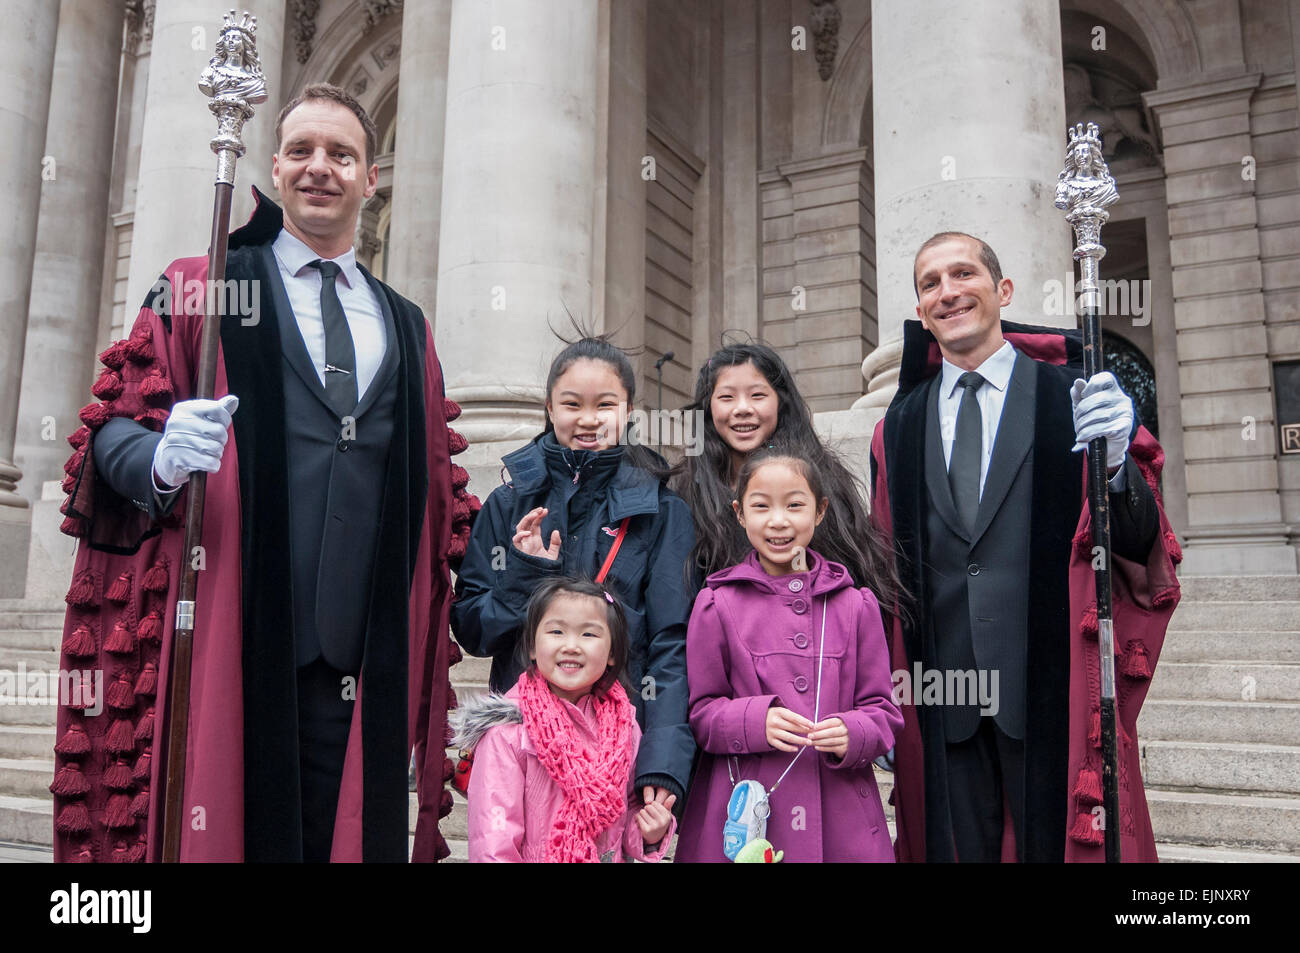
759, 852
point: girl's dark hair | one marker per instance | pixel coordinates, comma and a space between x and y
594, 347
846, 535
615, 619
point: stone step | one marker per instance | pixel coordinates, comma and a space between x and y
27, 777
14, 659
26, 741
11, 853
1247, 821
1188, 854
1214, 645
28, 713
45, 637
1227, 680
27, 820
1239, 588
1247, 616
471, 669
1221, 767
1264, 722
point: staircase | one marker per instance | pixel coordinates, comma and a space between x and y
1220, 729
30, 633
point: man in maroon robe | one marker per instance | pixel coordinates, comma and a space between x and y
321, 649
977, 480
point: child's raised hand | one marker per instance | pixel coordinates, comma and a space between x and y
528, 536
830, 736
654, 818
787, 730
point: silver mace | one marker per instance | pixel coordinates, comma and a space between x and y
234, 81
1084, 189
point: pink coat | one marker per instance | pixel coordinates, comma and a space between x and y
753, 643
513, 801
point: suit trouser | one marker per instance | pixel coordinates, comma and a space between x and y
324, 721
981, 770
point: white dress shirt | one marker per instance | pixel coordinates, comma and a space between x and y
992, 395
996, 371
365, 317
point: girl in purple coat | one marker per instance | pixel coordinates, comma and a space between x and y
789, 680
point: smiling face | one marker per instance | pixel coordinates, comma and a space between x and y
572, 645
958, 302
745, 410
588, 406
779, 514
321, 175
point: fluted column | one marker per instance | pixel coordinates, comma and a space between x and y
417, 164
25, 72
515, 249
969, 133
63, 319
173, 204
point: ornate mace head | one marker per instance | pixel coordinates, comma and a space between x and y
234, 80
1084, 189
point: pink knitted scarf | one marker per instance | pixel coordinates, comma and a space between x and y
593, 777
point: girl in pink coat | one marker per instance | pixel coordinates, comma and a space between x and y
790, 688
553, 757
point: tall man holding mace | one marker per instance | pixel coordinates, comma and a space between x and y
976, 476
321, 649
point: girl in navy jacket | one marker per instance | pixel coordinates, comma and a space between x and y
571, 490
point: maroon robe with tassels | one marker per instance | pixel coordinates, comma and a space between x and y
1063, 764
121, 604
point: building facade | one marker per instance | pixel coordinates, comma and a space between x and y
680, 173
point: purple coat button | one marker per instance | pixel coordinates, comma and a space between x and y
796, 585
799, 606
801, 641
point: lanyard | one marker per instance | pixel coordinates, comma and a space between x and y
817, 706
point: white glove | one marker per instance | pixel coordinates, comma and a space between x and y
194, 440
1101, 409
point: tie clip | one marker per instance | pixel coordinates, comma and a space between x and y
331, 367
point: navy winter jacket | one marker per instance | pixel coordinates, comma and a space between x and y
496, 580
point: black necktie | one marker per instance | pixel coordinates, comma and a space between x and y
967, 451
340, 357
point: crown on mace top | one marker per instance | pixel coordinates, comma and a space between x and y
247, 22
1077, 132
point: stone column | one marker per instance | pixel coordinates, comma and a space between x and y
63, 319
1234, 510
412, 253
515, 249
969, 134
25, 73
173, 204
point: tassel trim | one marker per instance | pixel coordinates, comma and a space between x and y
73, 819
147, 683
1085, 833
1135, 663
121, 737
118, 776
70, 782
74, 743
120, 590
80, 642
121, 641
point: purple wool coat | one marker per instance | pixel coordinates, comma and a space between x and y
753, 643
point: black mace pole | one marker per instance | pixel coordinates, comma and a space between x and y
1084, 189
234, 80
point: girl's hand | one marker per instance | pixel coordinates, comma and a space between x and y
661, 795
654, 818
528, 536
788, 730
830, 736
